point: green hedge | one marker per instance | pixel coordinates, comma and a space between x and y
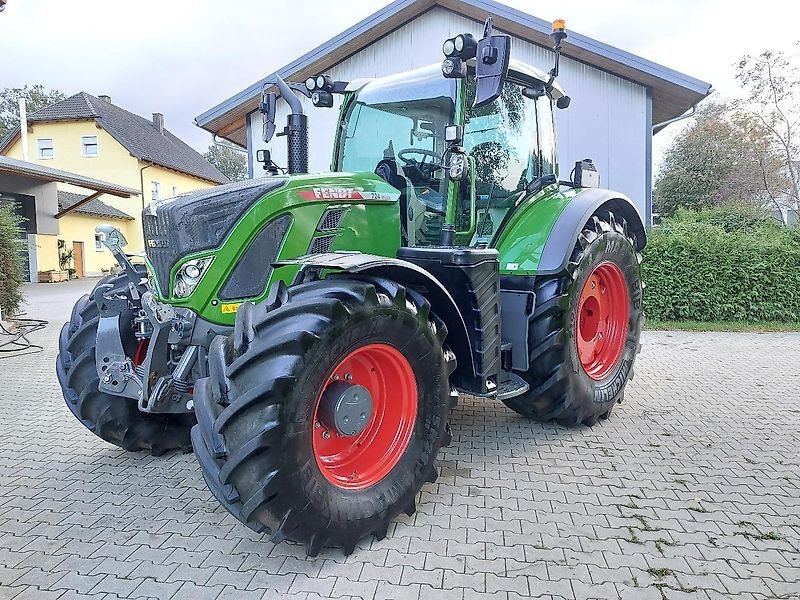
11, 267
718, 266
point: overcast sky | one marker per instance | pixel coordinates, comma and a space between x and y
181, 57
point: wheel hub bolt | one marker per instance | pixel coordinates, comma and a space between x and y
326, 434
348, 377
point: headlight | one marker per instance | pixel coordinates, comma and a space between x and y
189, 275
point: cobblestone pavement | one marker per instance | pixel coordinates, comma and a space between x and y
691, 490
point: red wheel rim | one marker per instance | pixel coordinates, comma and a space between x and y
363, 460
602, 322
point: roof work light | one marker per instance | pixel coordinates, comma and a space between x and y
458, 50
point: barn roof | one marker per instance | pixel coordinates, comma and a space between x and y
672, 92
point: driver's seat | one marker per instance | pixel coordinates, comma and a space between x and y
392, 173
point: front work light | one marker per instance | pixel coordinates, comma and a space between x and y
319, 83
322, 99
454, 68
458, 166
462, 46
466, 46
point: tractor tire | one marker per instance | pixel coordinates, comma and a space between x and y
584, 335
267, 438
114, 419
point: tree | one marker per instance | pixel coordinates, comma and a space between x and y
230, 161
771, 81
36, 97
726, 156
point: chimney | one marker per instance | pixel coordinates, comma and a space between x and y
105, 98
158, 122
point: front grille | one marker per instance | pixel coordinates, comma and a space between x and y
161, 250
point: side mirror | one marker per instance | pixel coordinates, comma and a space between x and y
264, 156
268, 106
491, 66
563, 102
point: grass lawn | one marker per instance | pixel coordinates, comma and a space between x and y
755, 326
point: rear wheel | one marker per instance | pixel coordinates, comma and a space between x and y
586, 327
115, 419
322, 417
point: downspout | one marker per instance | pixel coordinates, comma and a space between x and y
659, 126
141, 180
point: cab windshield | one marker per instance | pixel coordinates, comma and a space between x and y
395, 127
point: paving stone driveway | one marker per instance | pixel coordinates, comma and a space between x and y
691, 490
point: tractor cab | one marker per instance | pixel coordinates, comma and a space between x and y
397, 126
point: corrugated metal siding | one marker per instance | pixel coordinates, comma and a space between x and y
606, 120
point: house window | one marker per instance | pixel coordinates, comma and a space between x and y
89, 145
45, 147
155, 190
98, 242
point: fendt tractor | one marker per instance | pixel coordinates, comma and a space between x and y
314, 331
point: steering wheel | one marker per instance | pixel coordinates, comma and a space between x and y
403, 155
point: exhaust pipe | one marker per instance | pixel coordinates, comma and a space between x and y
296, 131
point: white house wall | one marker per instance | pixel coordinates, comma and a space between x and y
607, 120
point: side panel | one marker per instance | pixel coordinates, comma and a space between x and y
522, 239
541, 234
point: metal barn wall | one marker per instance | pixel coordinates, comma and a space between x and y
607, 120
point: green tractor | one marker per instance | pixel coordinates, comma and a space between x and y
320, 328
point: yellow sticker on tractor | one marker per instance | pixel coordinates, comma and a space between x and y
229, 309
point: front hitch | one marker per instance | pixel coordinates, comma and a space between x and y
154, 384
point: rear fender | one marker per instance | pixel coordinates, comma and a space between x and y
564, 234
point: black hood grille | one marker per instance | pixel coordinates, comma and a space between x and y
196, 222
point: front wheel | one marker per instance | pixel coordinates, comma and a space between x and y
585, 332
322, 417
114, 419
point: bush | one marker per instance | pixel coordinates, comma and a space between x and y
12, 273
722, 265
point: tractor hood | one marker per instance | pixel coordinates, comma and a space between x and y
197, 221
219, 225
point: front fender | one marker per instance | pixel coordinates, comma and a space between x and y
408, 274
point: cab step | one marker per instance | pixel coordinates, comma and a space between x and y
513, 386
